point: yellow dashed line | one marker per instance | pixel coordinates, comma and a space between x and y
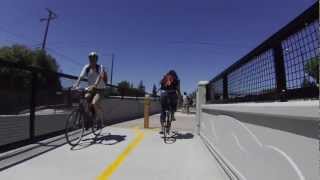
106, 174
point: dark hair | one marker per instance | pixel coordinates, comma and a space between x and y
173, 73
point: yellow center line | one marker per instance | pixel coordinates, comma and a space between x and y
107, 173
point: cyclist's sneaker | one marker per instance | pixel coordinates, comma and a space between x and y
86, 125
162, 129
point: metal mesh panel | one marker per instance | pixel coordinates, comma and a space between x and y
285, 66
217, 89
300, 52
256, 77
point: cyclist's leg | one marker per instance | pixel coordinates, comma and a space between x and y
187, 107
164, 107
96, 104
173, 103
88, 97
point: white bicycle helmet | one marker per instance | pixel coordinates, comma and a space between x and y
93, 54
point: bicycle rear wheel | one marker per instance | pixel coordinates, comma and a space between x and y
97, 124
167, 126
74, 128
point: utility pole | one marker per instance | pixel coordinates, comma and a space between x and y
112, 56
51, 16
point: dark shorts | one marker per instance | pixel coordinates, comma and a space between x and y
169, 101
93, 96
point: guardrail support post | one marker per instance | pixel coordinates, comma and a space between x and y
225, 87
146, 110
33, 105
280, 72
201, 99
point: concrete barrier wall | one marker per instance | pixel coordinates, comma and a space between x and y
13, 128
264, 141
16, 128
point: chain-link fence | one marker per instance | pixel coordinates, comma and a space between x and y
285, 66
36, 102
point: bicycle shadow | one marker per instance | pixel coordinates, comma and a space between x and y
177, 135
108, 139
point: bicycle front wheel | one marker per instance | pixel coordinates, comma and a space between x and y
74, 128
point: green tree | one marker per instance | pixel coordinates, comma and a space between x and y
17, 82
141, 89
307, 83
17, 78
123, 88
312, 68
154, 90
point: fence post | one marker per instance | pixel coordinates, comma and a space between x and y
33, 105
201, 99
280, 72
225, 87
146, 110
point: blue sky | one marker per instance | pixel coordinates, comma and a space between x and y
197, 38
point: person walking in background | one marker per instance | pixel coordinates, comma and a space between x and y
185, 103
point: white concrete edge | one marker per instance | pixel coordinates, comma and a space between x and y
230, 171
298, 110
203, 83
308, 103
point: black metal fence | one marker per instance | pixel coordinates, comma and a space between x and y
30, 95
285, 66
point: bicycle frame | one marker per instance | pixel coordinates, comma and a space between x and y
88, 119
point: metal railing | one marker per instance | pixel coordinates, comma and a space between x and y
30, 94
285, 66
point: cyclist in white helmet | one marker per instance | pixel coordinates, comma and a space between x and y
97, 77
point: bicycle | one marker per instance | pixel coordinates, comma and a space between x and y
80, 118
167, 125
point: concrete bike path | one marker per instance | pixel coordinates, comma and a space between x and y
124, 151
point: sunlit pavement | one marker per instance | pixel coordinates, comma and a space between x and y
124, 151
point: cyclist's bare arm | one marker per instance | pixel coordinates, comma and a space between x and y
102, 75
81, 76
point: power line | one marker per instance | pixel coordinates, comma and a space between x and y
216, 44
65, 56
18, 36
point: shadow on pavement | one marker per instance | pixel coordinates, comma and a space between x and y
108, 139
176, 135
36, 150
